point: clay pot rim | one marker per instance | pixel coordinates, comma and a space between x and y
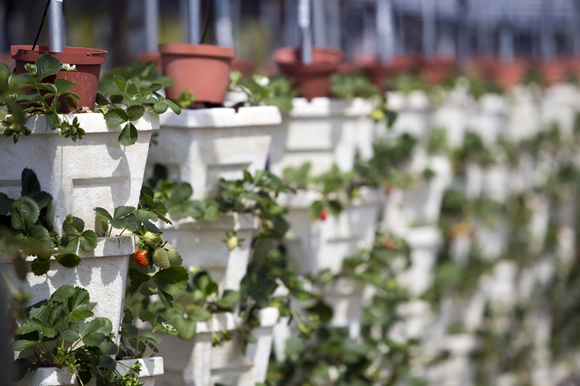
71, 55
208, 50
329, 65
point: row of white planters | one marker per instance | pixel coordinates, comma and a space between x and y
93, 172
517, 118
196, 362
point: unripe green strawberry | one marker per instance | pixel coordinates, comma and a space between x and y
233, 242
161, 259
151, 239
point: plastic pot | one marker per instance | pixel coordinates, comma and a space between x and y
554, 71
201, 69
438, 69
379, 72
88, 63
311, 80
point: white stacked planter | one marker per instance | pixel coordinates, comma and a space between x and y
196, 362
93, 172
453, 116
201, 245
151, 368
323, 132
202, 146
315, 245
102, 272
420, 204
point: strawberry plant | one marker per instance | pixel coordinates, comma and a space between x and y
25, 231
127, 104
59, 332
156, 267
200, 302
261, 90
352, 86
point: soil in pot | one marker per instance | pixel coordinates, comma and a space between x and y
87, 61
201, 69
311, 80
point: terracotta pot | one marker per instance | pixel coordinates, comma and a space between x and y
311, 80
438, 69
245, 66
554, 71
145, 57
88, 63
201, 69
379, 73
508, 74
6, 58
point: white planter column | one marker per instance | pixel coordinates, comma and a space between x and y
323, 132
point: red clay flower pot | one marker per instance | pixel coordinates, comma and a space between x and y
554, 71
88, 63
508, 74
311, 80
245, 66
438, 69
201, 69
6, 58
378, 72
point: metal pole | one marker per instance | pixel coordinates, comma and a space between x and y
335, 24
463, 31
224, 26
547, 32
193, 22
386, 30
506, 48
152, 25
55, 26
429, 8
319, 17
306, 31
290, 27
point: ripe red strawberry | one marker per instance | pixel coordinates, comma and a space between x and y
142, 257
323, 214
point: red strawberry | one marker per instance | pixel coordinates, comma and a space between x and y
323, 214
142, 257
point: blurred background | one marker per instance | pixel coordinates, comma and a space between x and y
529, 29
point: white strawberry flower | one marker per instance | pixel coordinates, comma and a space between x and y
262, 80
68, 67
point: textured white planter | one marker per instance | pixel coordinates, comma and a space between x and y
424, 243
195, 362
201, 245
489, 119
93, 172
496, 183
202, 146
421, 204
492, 238
345, 296
524, 118
315, 245
559, 105
500, 288
415, 316
102, 272
323, 132
52, 376
413, 113
453, 117
457, 370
